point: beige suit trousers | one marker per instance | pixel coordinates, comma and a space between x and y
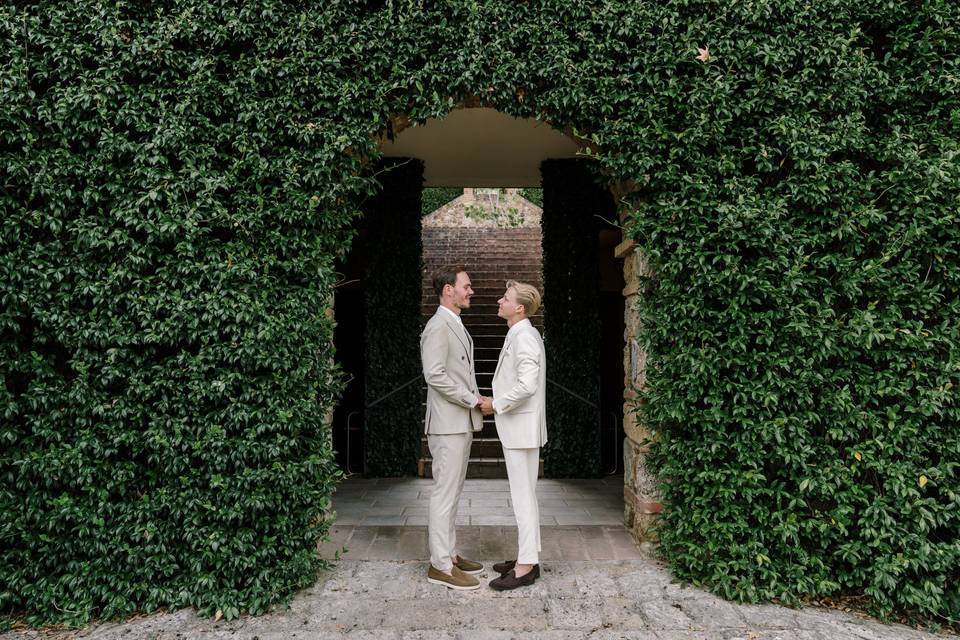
450, 453
522, 468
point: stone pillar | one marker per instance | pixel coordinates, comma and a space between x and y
641, 500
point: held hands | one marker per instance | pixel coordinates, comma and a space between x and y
486, 405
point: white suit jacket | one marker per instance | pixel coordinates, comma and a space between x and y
520, 389
446, 352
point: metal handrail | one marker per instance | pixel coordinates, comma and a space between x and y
617, 428
574, 394
616, 421
569, 392
390, 393
351, 415
349, 419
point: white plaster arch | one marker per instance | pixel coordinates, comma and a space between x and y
481, 147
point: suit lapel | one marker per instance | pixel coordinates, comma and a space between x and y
503, 350
454, 326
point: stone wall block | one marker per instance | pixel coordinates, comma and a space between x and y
641, 499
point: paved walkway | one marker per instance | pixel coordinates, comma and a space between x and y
404, 502
596, 583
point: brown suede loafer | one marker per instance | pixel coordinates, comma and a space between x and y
508, 565
510, 580
456, 580
468, 566
504, 567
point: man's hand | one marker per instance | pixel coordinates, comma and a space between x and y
486, 405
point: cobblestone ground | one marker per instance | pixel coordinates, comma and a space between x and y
574, 599
595, 583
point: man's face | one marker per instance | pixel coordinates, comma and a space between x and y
462, 291
509, 308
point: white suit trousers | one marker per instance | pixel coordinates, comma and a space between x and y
450, 453
522, 467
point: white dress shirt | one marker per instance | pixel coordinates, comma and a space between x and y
455, 315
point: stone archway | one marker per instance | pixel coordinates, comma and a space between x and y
468, 146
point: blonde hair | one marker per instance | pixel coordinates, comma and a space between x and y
527, 295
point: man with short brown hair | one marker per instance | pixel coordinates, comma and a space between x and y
446, 352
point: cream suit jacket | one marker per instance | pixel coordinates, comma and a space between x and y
446, 352
520, 389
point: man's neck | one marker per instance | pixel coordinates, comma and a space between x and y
449, 307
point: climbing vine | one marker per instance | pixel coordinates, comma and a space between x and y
178, 179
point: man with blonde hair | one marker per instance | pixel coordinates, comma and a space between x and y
519, 405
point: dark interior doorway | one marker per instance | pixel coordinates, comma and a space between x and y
351, 328
612, 328
350, 312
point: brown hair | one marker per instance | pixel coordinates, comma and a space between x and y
446, 275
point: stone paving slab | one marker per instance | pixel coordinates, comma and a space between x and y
593, 542
600, 600
596, 582
484, 502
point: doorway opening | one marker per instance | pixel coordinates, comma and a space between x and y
495, 232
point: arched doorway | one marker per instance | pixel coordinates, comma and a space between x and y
481, 147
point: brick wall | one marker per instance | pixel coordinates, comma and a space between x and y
491, 256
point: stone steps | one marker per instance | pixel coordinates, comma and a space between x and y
478, 314
491, 256
476, 468
484, 446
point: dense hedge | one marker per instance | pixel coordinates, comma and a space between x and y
171, 217
176, 185
571, 321
435, 197
393, 419
533, 195
804, 322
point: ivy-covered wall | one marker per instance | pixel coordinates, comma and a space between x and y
177, 180
170, 223
393, 382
